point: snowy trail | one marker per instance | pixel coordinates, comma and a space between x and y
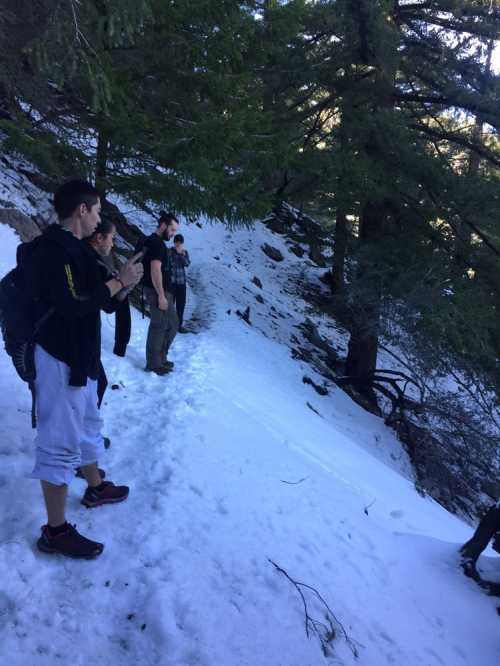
185, 579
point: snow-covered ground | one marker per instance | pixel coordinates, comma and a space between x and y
233, 462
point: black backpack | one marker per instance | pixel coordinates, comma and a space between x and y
141, 246
22, 313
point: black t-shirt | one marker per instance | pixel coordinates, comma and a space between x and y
156, 250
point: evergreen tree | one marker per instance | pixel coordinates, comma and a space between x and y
395, 84
372, 109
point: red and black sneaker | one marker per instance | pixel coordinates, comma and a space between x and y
69, 543
106, 493
79, 475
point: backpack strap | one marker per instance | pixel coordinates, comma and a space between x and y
143, 306
40, 322
31, 383
31, 386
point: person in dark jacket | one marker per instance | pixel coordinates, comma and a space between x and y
179, 261
101, 242
68, 365
158, 292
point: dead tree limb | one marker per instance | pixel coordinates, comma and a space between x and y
325, 632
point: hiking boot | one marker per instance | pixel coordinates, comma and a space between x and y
468, 565
69, 543
107, 444
168, 364
158, 371
106, 493
182, 330
79, 475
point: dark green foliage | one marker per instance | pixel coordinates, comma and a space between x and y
371, 109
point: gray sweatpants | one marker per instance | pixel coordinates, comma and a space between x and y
69, 423
163, 328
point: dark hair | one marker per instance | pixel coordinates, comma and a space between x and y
166, 218
178, 238
72, 194
104, 228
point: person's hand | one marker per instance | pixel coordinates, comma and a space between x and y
162, 303
131, 272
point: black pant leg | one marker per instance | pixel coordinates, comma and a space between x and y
180, 301
486, 529
123, 325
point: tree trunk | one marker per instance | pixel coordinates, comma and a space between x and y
343, 202
5, 103
477, 132
339, 253
363, 344
274, 180
101, 161
463, 240
368, 18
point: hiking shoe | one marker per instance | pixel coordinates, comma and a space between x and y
168, 364
182, 330
468, 565
79, 475
108, 494
162, 370
107, 444
69, 543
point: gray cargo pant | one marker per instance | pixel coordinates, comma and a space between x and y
163, 328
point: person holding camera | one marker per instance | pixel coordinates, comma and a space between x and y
179, 261
101, 243
68, 366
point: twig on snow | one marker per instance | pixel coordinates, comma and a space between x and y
325, 632
368, 506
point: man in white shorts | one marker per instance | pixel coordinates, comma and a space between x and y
68, 366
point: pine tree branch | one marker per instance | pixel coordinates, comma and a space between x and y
420, 98
443, 6
434, 236
467, 221
469, 27
456, 97
458, 140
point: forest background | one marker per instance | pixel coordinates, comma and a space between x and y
379, 118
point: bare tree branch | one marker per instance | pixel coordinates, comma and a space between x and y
325, 632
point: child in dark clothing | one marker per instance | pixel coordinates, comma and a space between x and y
179, 261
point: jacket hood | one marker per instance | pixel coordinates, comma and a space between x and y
56, 234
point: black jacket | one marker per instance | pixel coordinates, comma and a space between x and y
70, 281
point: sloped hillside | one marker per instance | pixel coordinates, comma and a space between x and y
247, 486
